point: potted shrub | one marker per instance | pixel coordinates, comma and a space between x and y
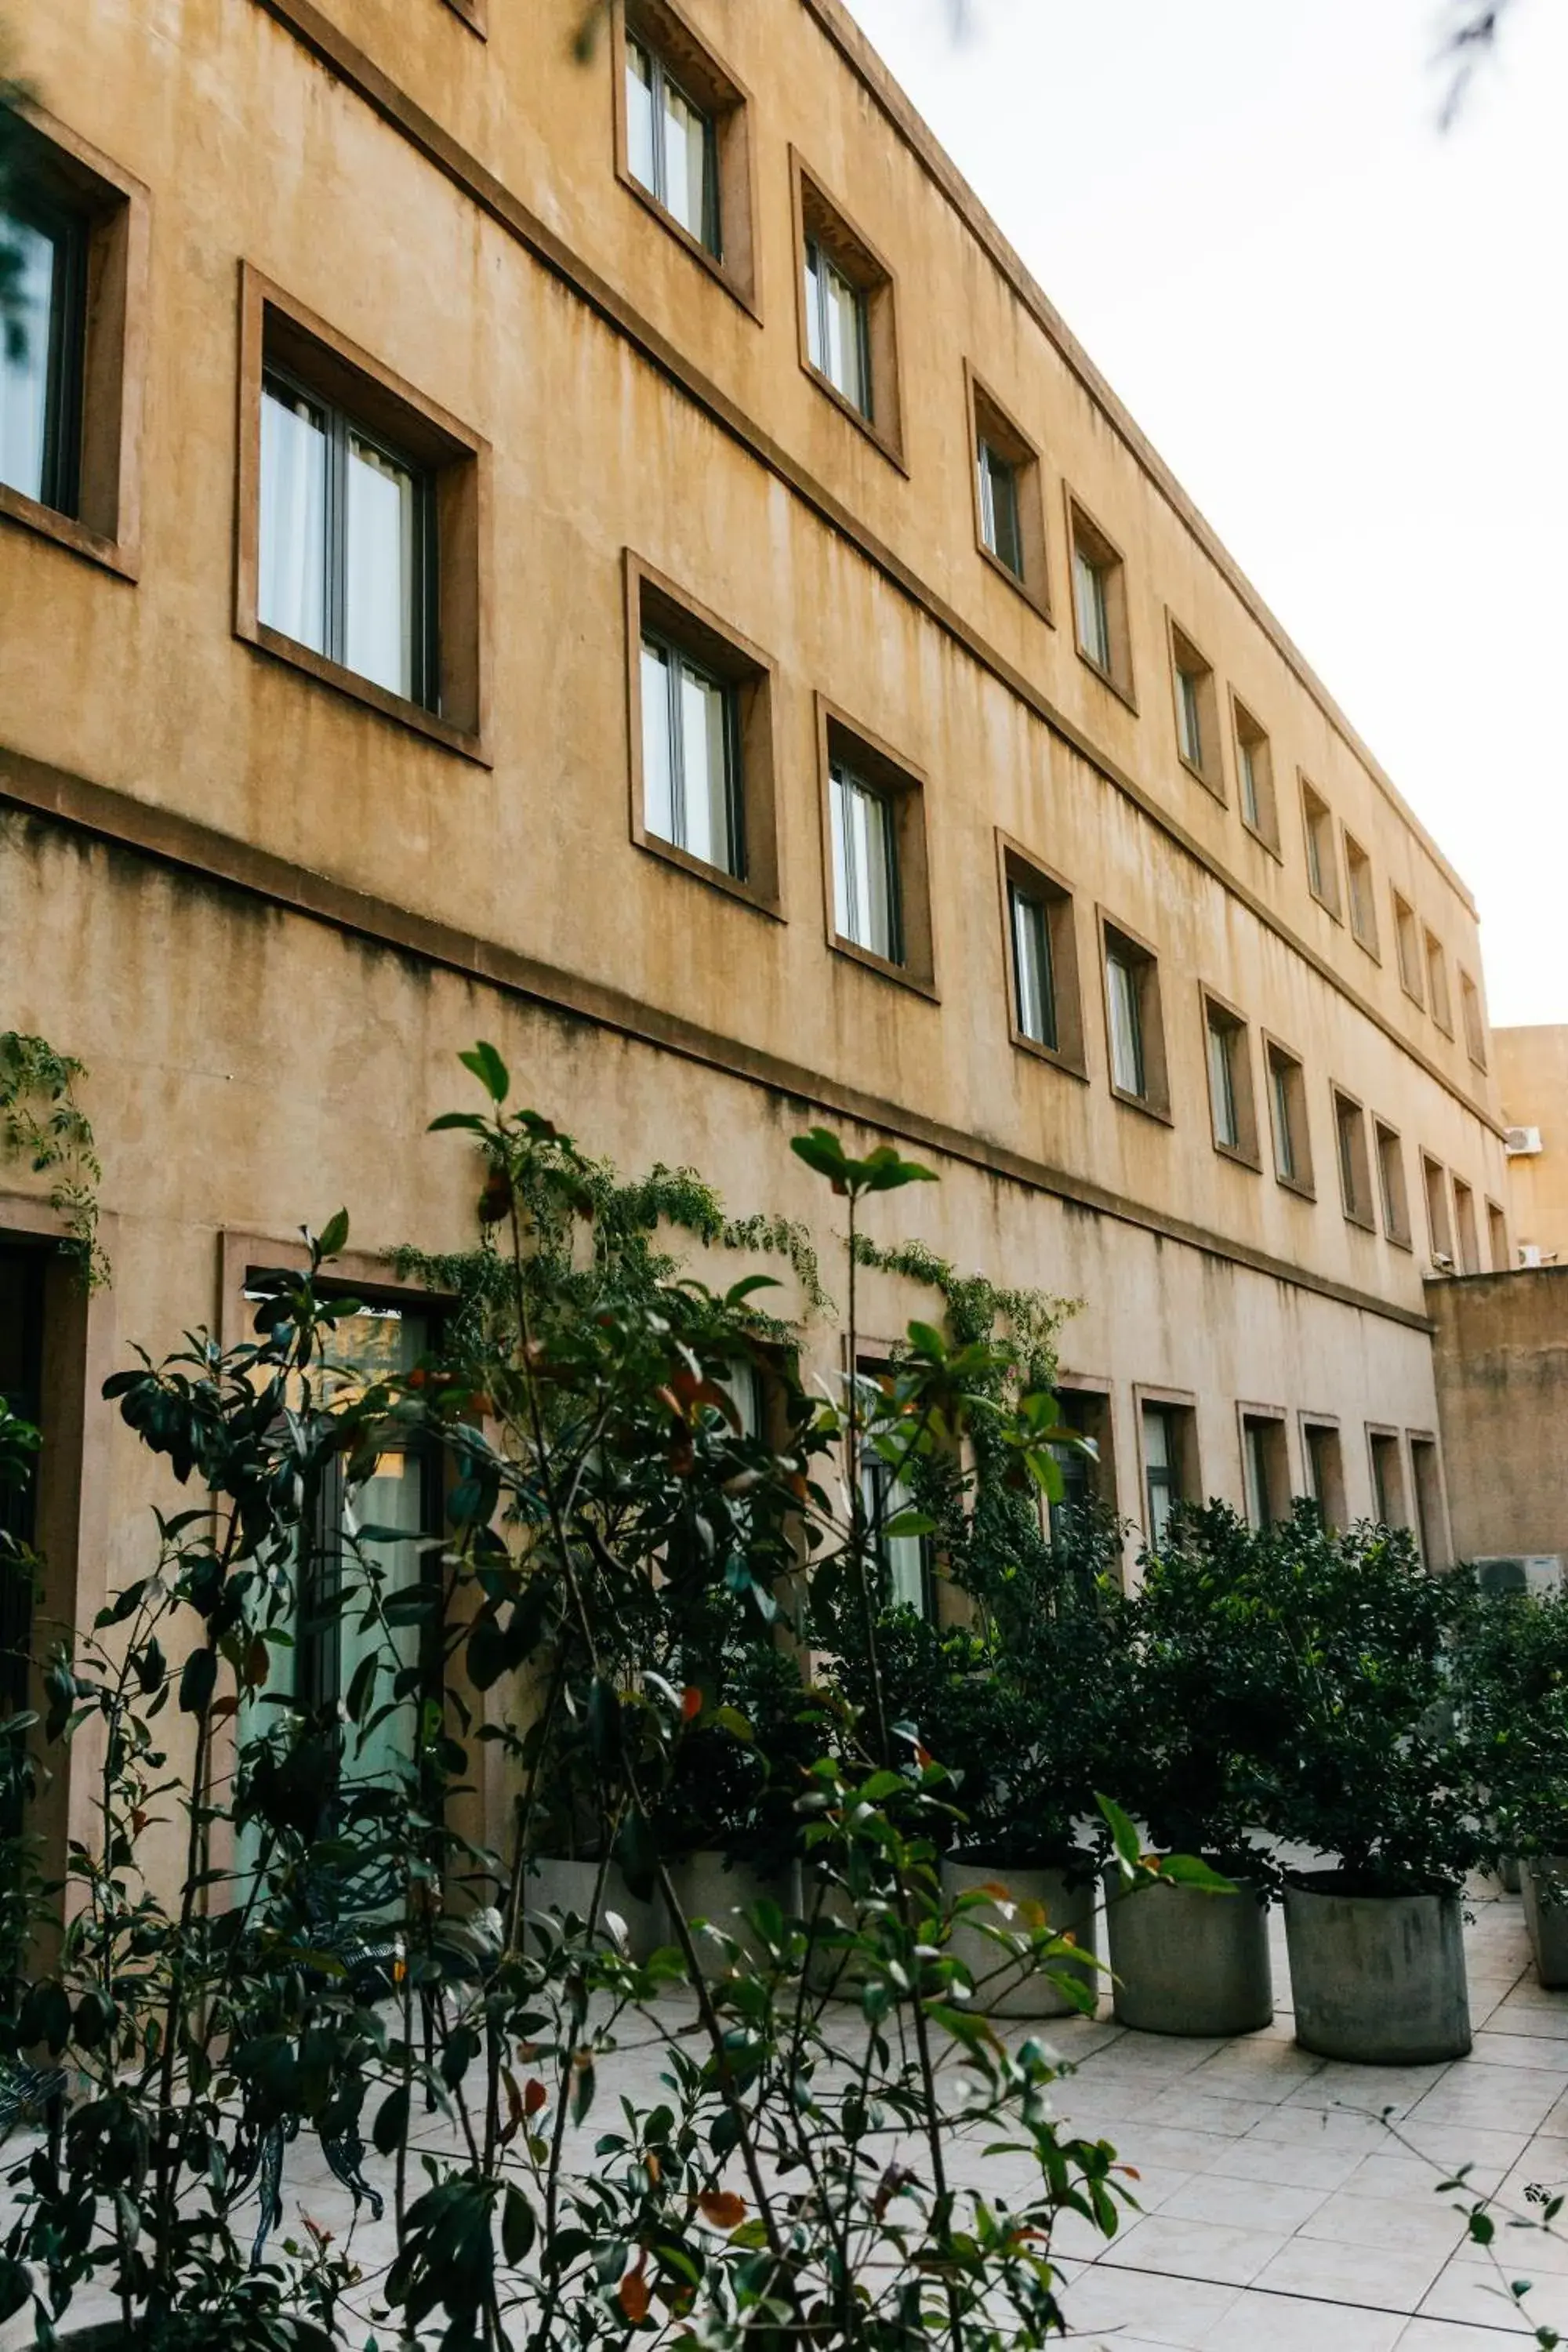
1368, 1772
1189, 1948
1512, 1681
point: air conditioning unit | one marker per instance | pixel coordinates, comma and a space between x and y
1441, 1262
1529, 1255
1536, 1572
1521, 1143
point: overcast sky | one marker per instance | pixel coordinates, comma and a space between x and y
1347, 332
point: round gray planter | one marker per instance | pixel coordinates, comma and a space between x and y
1070, 1912
1543, 1882
1376, 1979
1185, 1962
706, 1888
560, 1887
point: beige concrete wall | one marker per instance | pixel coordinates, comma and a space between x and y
1533, 1083
1501, 1360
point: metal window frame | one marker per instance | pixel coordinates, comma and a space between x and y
1018, 898
845, 780
60, 485
818, 262
711, 235
992, 464
678, 661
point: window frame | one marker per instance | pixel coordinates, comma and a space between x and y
657, 605
1277, 1055
1324, 1424
990, 422
1379, 1433
1408, 929
1429, 1500
1101, 555
844, 742
1357, 1197
1189, 661
1180, 1408
1396, 1226
1439, 1246
281, 335
1472, 1018
1097, 1394
1248, 736
1434, 964
110, 213
1272, 1421
1361, 908
1136, 952
1501, 1262
1245, 1150
1317, 827
821, 219
710, 85
1018, 867
1467, 1231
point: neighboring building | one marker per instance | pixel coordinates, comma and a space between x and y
623, 560
1501, 1356
1532, 1066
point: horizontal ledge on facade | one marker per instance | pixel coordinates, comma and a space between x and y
165, 836
119, 556
306, 23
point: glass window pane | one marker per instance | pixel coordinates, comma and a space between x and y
999, 508
874, 819
26, 346
903, 1557
380, 593
705, 827
813, 303
863, 879
1284, 1133
639, 116
688, 152
844, 363
658, 789
1126, 1026
292, 590
1191, 723
1032, 965
1222, 1084
1094, 621
1248, 783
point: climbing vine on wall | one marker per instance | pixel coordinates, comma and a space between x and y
42, 1122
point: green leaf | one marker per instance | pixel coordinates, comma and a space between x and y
361, 1688
1123, 1837
822, 1151
581, 2085
909, 1523
197, 1682
333, 1234
15, 2285
517, 2226
489, 1069
391, 2124
1190, 1870
469, 1119
636, 1851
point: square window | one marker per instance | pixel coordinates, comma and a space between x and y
879, 898
1322, 864
1170, 1475
1134, 1025
1009, 514
1255, 777
1046, 1014
1355, 1177
1474, 1020
1231, 1111
1407, 948
359, 503
1359, 890
1325, 1469
1437, 984
1465, 1237
683, 141
70, 378
1288, 1120
1198, 712
1439, 1224
1099, 601
849, 342
1266, 1467
702, 751
1391, 1183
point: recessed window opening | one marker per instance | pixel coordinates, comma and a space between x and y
838, 329
1408, 949
347, 543
1363, 904
1497, 1239
1129, 1063
1322, 866
1288, 1117
1166, 1430
1475, 1027
1092, 605
1034, 971
671, 146
1254, 774
1391, 1183
1084, 1477
1465, 1233
1349, 1132
1426, 1478
41, 352
1265, 1468
1325, 1472
1387, 1480
1230, 1093
1437, 984
691, 758
904, 1559
1000, 517
1434, 1181
864, 865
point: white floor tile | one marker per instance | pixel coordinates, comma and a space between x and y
1389, 2278
1243, 2204
1281, 2322
1195, 2250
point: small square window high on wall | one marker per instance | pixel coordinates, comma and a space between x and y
1255, 777
1198, 712
1041, 951
1009, 515
1099, 601
878, 891
848, 337
1134, 1022
682, 140
1322, 859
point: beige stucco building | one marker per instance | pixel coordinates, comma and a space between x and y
620, 558
1533, 1089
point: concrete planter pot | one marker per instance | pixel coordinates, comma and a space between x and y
555, 1884
1377, 1978
1186, 1962
706, 1888
1070, 1912
1543, 1882
109, 2335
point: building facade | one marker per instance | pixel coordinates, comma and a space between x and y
1533, 1087
618, 557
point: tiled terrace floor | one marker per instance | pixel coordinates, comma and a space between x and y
1281, 2213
